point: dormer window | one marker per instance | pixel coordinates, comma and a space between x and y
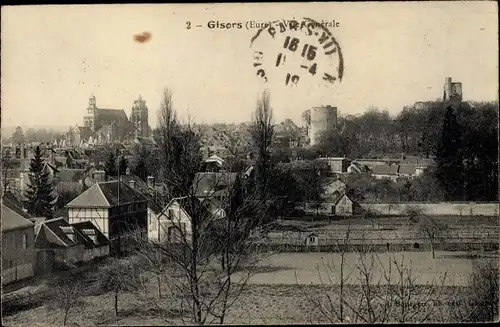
91, 233
69, 231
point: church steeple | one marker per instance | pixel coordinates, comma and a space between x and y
139, 117
89, 119
92, 102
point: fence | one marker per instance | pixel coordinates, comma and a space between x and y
434, 209
382, 235
415, 246
12, 303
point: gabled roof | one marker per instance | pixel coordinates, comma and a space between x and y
93, 197
341, 197
11, 220
185, 202
407, 169
106, 195
215, 158
13, 203
126, 193
385, 169
51, 233
214, 184
112, 115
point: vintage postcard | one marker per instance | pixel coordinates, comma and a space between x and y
251, 163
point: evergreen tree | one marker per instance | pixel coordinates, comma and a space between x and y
123, 165
110, 166
141, 170
449, 157
40, 197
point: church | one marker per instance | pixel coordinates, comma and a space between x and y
108, 125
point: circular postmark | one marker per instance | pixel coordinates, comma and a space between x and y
292, 51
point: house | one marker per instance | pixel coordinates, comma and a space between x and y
385, 171
395, 172
337, 165
115, 208
57, 245
155, 194
344, 206
408, 170
168, 224
60, 244
18, 249
214, 163
173, 223
311, 239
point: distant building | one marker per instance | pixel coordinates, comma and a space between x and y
139, 118
18, 136
214, 164
344, 206
108, 124
452, 91
323, 119
336, 164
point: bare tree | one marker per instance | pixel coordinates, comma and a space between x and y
479, 302
207, 265
332, 307
6, 170
411, 302
117, 276
68, 293
205, 257
306, 117
386, 290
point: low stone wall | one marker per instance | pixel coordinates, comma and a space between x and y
17, 273
434, 209
380, 247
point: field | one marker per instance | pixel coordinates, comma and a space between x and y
277, 293
279, 289
311, 268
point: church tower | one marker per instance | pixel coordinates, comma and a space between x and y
89, 118
139, 118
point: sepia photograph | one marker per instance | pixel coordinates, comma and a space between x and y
250, 163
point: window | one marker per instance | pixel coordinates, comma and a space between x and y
25, 241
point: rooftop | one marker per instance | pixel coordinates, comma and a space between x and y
11, 220
106, 195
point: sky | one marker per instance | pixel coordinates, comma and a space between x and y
394, 54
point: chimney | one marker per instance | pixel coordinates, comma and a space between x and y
22, 152
131, 183
151, 180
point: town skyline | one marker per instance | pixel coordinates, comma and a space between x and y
95, 53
